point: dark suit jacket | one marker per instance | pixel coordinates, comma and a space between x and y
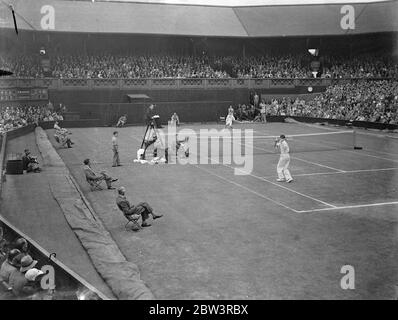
127, 208
90, 174
148, 115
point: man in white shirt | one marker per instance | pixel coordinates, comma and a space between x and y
284, 160
175, 120
115, 149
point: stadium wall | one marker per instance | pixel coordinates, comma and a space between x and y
192, 105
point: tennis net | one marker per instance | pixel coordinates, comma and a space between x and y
224, 143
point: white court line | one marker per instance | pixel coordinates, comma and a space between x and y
350, 171
350, 207
318, 164
378, 135
273, 183
330, 206
276, 184
375, 135
354, 152
381, 152
294, 157
246, 188
370, 155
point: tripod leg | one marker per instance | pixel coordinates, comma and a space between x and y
146, 131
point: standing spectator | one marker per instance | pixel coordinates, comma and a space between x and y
115, 149
263, 111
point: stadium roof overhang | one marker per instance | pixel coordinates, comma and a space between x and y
200, 20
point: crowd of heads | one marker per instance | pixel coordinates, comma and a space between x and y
203, 66
14, 117
19, 272
372, 101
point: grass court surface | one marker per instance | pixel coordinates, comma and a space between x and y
227, 236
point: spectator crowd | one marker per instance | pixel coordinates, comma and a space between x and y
184, 66
373, 101
14, 117
19, 273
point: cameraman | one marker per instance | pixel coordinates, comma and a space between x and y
151, 117
29, 162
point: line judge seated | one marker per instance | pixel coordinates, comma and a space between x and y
143, 209
61, 135
91, 175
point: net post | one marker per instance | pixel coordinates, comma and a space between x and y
354, 137
356, 147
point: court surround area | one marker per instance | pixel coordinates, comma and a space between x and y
227, 236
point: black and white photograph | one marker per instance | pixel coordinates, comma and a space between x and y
200, 155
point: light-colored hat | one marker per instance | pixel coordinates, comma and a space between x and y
32, 274
27, 263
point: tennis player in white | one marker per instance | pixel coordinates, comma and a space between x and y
284, 160
230, 119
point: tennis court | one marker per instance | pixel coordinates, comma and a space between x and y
228, 236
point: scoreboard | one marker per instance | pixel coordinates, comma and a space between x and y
23, 94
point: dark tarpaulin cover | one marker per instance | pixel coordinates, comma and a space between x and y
122, 276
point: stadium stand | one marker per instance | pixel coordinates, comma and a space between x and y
178, 66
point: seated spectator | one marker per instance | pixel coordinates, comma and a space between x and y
61, 135
18, 282
143, 209
102, 176
33, 285
29, 162
22, 245
9, 265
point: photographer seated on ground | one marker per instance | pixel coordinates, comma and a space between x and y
142, 209
122, 121
29, 162
92, 176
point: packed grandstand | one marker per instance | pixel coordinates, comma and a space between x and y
373, 101
375, 65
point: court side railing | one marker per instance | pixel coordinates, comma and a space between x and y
175, 83
65, 278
